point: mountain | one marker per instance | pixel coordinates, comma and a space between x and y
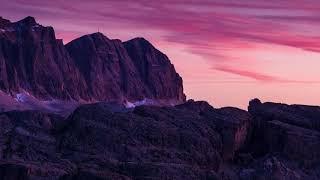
92, 68
33, 60
132, 71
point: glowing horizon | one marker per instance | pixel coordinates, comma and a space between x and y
226, 52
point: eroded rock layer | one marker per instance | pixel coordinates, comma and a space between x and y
91, 68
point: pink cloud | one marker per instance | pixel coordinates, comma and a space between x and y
249, 74
259, 76
206, 27
194, 22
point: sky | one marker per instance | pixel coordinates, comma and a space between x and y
227, 52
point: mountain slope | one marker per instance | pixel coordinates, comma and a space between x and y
33, 60
89, 69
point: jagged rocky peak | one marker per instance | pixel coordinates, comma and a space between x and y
124, 75
140, 42
26, 28
155, 69
33, 61
90, 68
106, 68
3, 22
92, 36
29, 21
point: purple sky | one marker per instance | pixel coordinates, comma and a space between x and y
226, 51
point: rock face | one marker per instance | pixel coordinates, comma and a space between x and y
32, 59
155, 70
28, 145
89, 69
234, 125
130, 71
106, 67
148, 142
189, 141
292, 130
108, 141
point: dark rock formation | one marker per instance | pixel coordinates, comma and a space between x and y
28, 145
107, 141
189, 141
13, 172
107, 68
292, 130
234, 125
130, 71
272, 167
32, 59
4, 22
155, 70
150, 141
91, 68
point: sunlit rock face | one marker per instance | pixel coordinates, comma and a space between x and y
155, 70
33, 60
131, 71
89, 69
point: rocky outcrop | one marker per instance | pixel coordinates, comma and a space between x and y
107, 69
28, 145
130, 71
299, 115
33, 60
273, 167
234, 125
294, 142
148, 142
292, 130
106, 140
91, 68
155, 70
189, 141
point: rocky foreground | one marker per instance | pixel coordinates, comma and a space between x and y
189, 141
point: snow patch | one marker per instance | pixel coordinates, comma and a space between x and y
152, 102
52, 105
21, 97
145, 101
8, 30
129, 104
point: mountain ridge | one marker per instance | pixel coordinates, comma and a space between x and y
32, 60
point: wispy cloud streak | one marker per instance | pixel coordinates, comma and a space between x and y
206, 28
